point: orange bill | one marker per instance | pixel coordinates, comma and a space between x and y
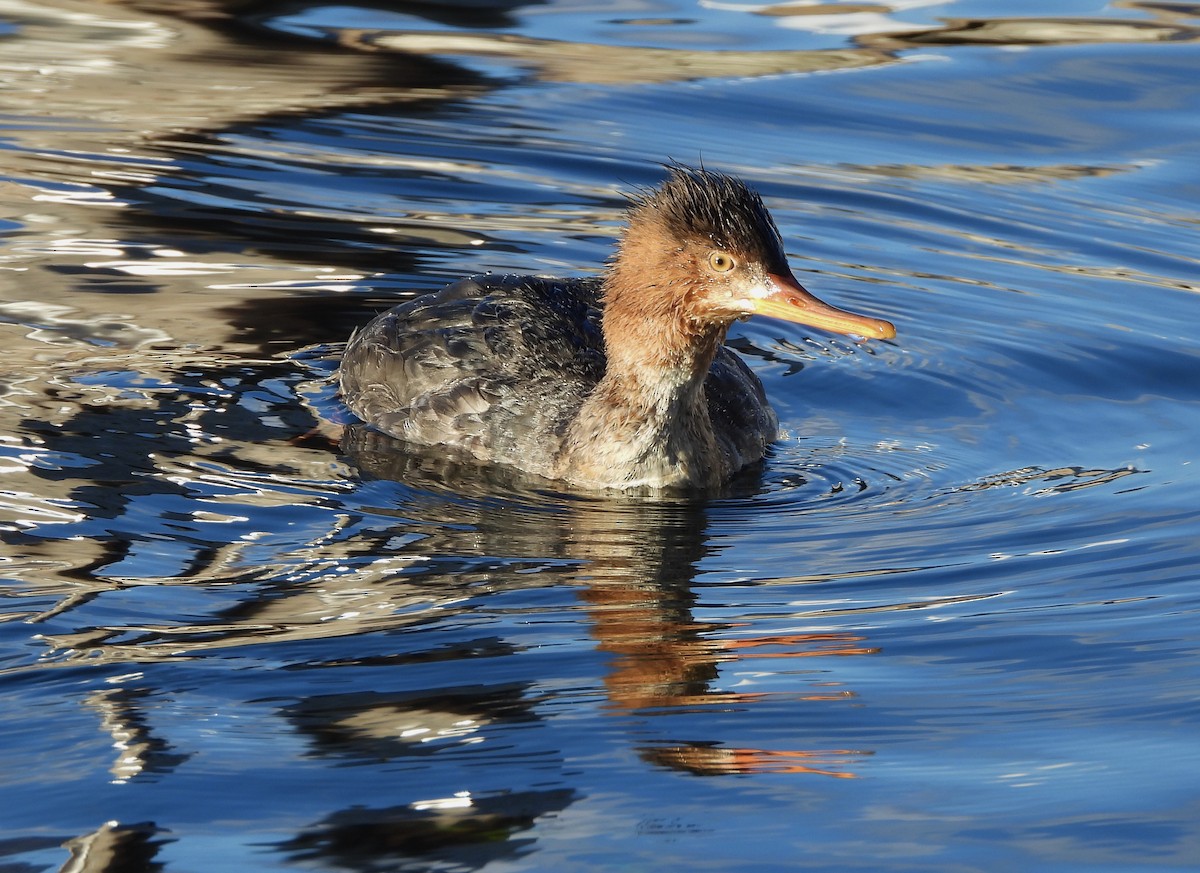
788, 299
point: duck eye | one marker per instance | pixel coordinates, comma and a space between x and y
721, 262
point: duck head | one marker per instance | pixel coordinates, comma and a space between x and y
700, 252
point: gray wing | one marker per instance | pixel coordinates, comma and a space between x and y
742, 417
493, 366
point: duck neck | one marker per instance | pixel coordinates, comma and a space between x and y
647, 420
657, 357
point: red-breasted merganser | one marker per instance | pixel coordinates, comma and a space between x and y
615, 382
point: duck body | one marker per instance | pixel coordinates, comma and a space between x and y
617, 382
496, 369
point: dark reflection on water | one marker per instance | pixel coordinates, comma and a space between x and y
469, 837
948, 624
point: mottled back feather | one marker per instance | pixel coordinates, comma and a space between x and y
479, 365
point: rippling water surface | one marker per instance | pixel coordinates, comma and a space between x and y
951, 623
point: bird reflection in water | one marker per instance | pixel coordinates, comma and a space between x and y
634, 561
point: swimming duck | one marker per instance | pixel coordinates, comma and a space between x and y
615, 382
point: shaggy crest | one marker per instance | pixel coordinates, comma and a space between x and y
702, 204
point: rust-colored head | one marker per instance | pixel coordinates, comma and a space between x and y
704, 247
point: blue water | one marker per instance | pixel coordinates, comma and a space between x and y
949, 626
